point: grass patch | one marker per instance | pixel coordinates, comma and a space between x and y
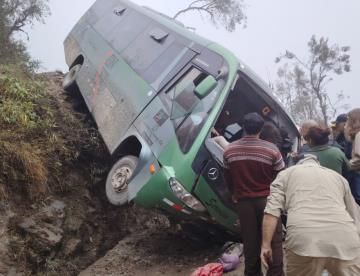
23, 170
41, 138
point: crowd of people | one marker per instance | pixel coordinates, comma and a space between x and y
319, 196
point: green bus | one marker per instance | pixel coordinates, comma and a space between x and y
158, 93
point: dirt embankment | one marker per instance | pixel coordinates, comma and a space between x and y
54, 215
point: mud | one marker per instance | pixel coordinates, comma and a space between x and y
155, 253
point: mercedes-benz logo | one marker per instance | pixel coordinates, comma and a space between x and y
213, 173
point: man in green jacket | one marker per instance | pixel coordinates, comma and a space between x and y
329, 157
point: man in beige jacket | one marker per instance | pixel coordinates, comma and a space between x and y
323, 223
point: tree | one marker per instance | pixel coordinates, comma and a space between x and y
302, 86
228, 13
15, 16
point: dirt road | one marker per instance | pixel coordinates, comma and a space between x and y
155, 253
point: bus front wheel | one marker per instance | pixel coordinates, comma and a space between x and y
118, 179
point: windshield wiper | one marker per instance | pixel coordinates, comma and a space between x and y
183, 121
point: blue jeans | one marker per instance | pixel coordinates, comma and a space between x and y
354, 181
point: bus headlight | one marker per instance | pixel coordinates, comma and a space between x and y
188, 199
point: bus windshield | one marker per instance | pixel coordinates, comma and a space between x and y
187, 112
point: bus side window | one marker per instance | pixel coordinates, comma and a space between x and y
144, 50
128, 28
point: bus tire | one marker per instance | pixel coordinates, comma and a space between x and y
118, 178
69, 82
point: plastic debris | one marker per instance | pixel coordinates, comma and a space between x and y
212, 269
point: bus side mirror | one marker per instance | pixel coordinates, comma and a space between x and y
205, 87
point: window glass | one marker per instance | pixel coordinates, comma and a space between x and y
99, 8
181, 95
128, 29
187, 112
160, 68
106, 23
141, 53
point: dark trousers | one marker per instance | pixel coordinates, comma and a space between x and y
354, 182
251, 213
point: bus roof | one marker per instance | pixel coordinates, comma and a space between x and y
172, 24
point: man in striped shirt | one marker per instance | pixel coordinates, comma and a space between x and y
251, 164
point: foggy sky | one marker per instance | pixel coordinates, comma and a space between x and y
273, 26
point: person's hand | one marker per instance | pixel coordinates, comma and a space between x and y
214, 132
266, 256
354, 165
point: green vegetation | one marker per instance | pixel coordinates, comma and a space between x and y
41, 136
15, 16
18, 101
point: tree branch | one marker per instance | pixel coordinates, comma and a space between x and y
301, 62
210, 5
194, 2
192, 9
228, 13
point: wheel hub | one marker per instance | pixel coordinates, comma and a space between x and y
119, 180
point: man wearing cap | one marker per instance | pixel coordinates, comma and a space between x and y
251, 164
338, 127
